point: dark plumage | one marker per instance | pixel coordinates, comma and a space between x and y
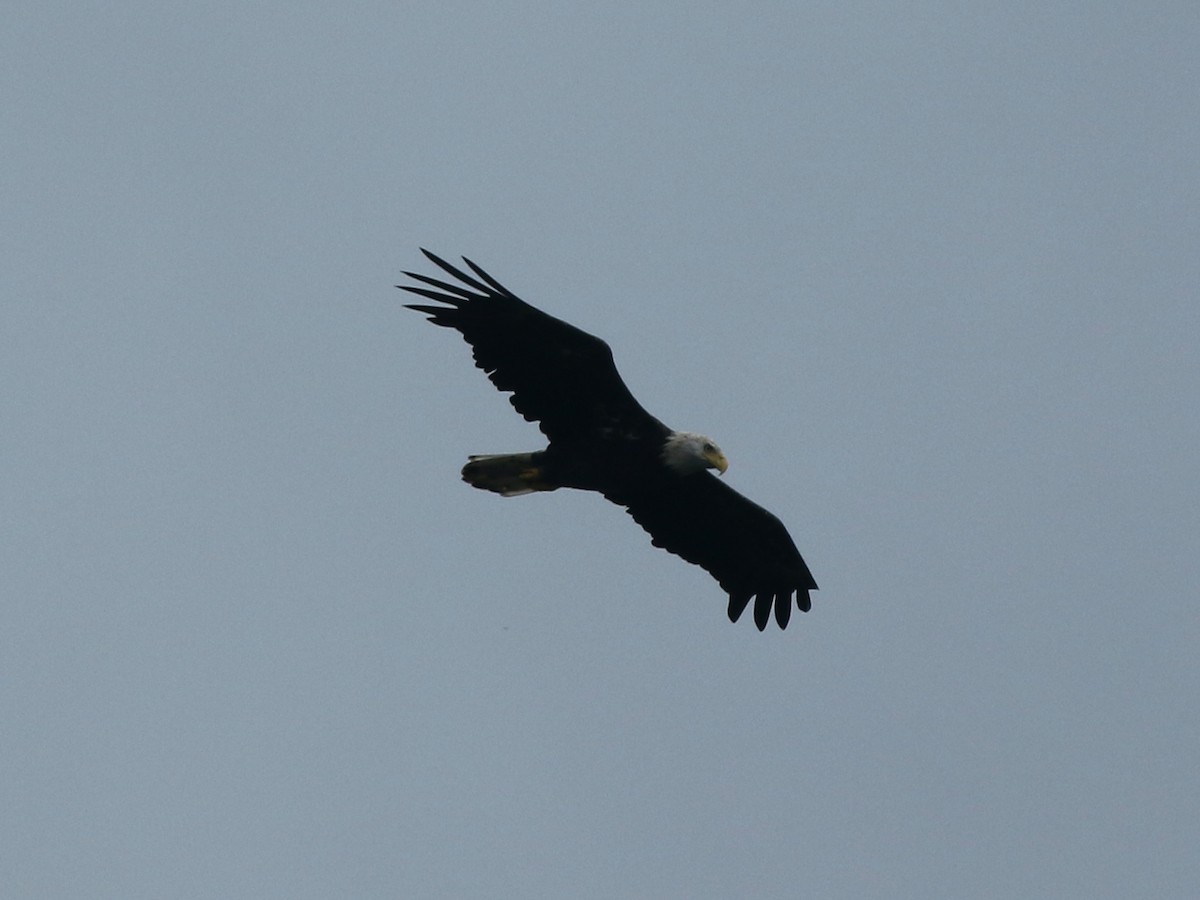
601, 439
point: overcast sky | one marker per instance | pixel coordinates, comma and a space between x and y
926, 271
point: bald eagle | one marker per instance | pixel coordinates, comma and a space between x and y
601, 439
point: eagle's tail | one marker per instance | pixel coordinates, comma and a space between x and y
508, 474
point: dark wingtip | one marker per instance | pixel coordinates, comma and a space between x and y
762, 610
491, 282
803, 601
441, 263
433, 257
451, 269
783, 610
737, 606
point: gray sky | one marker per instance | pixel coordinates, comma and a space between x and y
927, 273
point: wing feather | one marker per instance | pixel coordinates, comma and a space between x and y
743, 546
560, 376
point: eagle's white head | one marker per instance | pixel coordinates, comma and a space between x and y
686, 452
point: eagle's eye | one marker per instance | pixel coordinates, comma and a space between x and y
709, 448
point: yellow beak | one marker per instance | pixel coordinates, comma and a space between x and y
717, 460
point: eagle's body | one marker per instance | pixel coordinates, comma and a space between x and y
601, 439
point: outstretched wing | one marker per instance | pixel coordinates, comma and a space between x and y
560, 376
744, 547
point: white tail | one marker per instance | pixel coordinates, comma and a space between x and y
508, 474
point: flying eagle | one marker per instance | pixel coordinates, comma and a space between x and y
601, 439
